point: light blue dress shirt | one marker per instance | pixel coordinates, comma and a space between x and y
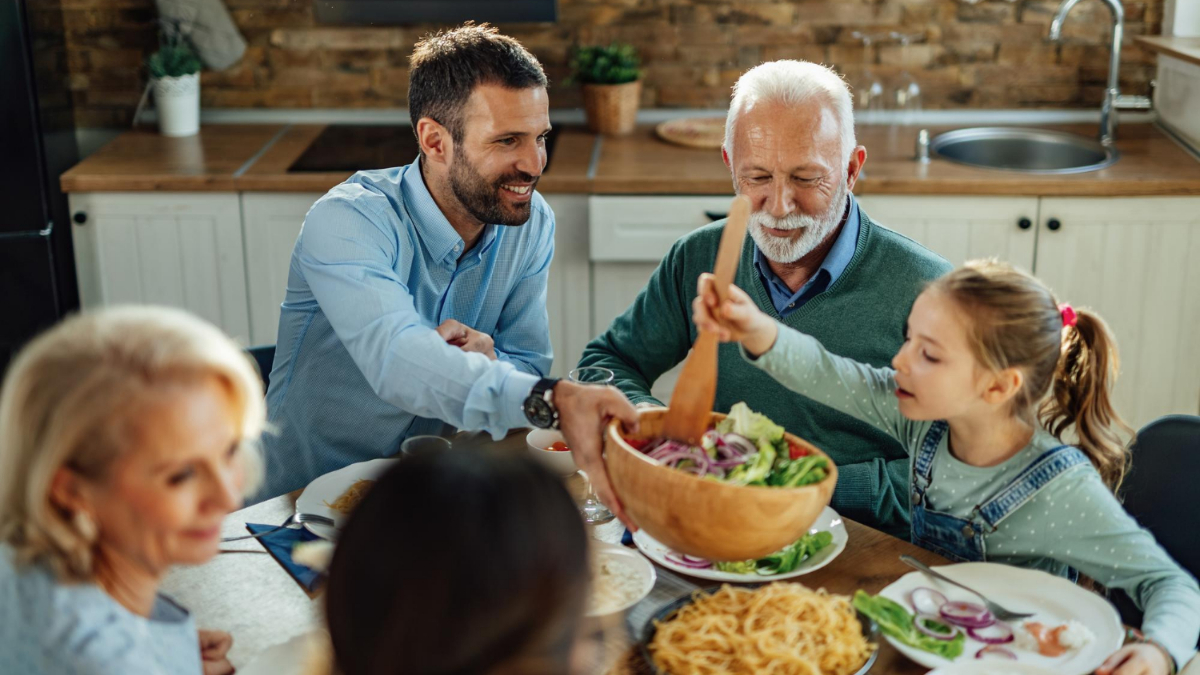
358, 364
782, 297
52, 628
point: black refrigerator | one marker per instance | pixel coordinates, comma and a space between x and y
37, 143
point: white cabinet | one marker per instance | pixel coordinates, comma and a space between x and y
271, 222
962, 228
1134, 261
567, 295
179, 249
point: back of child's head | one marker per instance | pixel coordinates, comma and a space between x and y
465, 561
1015, 322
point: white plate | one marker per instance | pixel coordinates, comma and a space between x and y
325, 490
625, 557
991, 667
1052, 599
828, 521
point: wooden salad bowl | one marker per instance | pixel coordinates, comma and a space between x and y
706, 518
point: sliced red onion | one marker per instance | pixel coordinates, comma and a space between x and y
966, 614
687, 561
998, 651
739, 445
998, 633
920, 620
727, 463
926, 601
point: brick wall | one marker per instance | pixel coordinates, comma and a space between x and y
992, 54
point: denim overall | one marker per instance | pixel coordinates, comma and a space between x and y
961, 539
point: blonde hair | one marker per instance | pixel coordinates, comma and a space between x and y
1017, 323
69, 399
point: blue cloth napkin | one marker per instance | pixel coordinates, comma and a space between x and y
279, 544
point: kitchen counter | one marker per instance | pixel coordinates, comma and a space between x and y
1184, 48
243, 158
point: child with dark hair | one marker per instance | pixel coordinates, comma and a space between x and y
459, 562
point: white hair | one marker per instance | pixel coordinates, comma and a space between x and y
68, 397
793, 83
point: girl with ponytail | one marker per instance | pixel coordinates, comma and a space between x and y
1002, 397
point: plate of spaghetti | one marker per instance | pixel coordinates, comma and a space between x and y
778, 627
337, 493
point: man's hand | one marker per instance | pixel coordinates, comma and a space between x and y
214, 645
466, 338
583, 412
1137, 659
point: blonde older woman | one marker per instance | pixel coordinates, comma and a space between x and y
125, 438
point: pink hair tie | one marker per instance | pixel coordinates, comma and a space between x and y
1069, 318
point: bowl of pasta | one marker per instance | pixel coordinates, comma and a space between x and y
747, 490
778, 627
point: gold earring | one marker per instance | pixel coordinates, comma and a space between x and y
84, 525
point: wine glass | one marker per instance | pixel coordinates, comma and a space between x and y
906, 95
869, 89
593, 510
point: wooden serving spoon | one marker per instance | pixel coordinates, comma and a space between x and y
692, 401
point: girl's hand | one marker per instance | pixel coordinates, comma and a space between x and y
737, 319
214, 645
1137, 659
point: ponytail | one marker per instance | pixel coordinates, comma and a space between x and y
1080, 395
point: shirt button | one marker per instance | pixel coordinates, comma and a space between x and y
968, 532
916, 498
792, 305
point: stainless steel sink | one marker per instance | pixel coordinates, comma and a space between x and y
1023, 150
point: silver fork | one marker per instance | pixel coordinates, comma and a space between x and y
294, 519
999, 612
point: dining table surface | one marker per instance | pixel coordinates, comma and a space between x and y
247, 593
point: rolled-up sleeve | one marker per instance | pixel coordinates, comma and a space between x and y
348, 253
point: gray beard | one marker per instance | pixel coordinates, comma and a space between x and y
815, 230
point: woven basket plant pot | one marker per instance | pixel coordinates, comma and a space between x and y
612, 108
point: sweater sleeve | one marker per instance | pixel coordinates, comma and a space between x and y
650, 337
800, 363
1083, 525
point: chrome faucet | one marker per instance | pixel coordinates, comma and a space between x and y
1113, 100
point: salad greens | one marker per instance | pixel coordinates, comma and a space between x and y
783, 561
745, 448
896, 621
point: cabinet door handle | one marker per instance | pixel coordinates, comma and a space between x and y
1024, 223
1053, 224
715, 215
80, 217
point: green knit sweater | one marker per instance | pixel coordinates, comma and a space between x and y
861, 316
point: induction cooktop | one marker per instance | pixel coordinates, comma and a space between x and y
360, 147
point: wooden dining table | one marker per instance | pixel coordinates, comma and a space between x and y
247, 593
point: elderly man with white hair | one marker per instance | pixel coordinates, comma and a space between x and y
817, 263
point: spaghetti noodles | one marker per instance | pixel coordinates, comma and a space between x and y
351, 497
780, 628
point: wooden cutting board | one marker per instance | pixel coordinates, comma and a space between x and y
694, 132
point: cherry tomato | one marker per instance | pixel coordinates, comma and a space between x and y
558, 446
797, 451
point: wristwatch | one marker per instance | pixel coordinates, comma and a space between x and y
539, 406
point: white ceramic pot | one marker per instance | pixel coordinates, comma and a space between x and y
178, 103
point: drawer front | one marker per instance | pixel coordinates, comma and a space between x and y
642, 229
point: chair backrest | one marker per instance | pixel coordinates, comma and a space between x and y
1160, 489
264, 356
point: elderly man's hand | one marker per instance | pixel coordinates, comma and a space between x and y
466, 338
214, 645
583, 412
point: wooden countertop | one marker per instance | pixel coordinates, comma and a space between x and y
146, 161
1150, 164
256, 157
1185, 48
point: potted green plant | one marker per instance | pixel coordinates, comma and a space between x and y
175, 75
612, 86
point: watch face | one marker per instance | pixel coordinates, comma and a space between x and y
538, 412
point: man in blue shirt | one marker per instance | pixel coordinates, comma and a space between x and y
416, 296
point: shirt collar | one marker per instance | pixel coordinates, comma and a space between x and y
440, 237
835, 261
